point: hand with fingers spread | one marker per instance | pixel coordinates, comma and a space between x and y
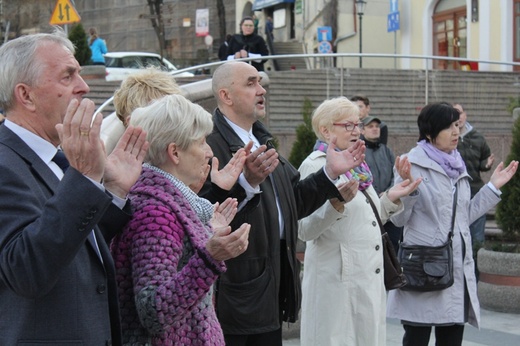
404, 168
348, 191
339, 162
402, 189
224, 213
124, 164
225, 244
259, 164
80, 141
490, 161
227, 176
502, 175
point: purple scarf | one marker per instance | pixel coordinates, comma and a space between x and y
452, 163
361, 173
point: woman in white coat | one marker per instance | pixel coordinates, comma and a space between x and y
427, 221
343, 281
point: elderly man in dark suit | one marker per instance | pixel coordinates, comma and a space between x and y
61, 200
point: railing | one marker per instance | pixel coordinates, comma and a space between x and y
326, 61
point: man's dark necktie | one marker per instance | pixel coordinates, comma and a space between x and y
61, 160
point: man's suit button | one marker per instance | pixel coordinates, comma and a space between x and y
101, 289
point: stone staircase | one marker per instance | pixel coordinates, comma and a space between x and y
397, 97
283, 48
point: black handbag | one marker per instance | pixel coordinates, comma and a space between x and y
429, 268
394, 277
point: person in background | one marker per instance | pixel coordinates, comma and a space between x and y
255, 23
364, 111
261, 287
269, 28
61, 200
137, 90
173, 249
223, 49
344, 297
427, 221
97, 47
380, 159
477, 156
247, 44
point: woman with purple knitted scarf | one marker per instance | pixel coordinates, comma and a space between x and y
173, 250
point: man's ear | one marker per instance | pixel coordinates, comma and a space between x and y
22, 94
224, 97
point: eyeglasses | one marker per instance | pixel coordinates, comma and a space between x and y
350, 126
248, 25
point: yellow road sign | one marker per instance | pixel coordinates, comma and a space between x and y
64, 13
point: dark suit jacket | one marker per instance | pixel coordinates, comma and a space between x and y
53, 286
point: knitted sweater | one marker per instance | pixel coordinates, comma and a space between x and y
164, 273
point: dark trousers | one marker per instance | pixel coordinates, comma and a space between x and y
444, 336
271, 338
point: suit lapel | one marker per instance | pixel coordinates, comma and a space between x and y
37, 167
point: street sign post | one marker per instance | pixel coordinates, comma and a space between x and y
64, 13
324, 33
325, 47
393, 22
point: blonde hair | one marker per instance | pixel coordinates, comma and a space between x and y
138, 89
171, 119
331, 111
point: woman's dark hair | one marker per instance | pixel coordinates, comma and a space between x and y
244, 19
434, 118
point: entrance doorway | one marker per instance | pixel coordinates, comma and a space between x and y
450, 37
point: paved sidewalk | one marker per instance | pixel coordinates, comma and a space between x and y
497, 329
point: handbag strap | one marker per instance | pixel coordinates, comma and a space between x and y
382, 229
455, 196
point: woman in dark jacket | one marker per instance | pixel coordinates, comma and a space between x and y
247, 44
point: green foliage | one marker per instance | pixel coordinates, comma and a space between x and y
305, 137
508, 211
78, 36
514, 102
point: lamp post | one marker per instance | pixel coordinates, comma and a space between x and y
360, 9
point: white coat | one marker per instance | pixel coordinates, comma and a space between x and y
344, 297
427, 221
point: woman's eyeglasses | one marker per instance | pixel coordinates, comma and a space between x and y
350, 126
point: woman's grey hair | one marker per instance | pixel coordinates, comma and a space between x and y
331, 111
171, 119
20, 63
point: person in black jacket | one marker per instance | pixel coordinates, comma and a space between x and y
223, 49
477, 156
364, 111
380, 159
261, 288
247, 44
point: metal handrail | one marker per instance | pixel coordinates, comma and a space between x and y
428, 58
353, 55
